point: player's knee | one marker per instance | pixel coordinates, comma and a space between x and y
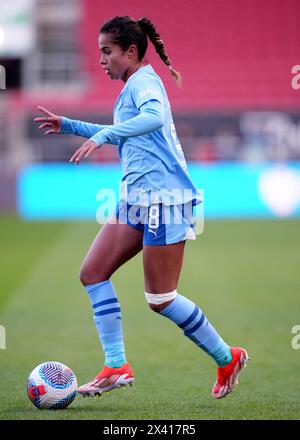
85, 277
158, 301
88, 277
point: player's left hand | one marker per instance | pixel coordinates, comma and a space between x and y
84, 151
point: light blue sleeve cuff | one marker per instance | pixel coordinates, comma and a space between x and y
66, 126
84, 129
99, 138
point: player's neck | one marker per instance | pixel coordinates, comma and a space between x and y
131, 70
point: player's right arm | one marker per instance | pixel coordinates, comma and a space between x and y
62, 125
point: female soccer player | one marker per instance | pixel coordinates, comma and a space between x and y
156, 188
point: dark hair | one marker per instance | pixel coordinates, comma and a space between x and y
126, 31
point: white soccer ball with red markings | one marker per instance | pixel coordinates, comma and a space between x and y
52, 385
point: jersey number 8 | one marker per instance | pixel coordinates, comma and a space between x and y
153, 221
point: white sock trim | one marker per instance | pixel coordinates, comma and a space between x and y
160, 298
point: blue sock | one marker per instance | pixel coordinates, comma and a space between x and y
196, 327
108, 320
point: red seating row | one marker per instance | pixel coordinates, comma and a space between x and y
232, 53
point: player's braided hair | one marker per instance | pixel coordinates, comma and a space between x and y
149, 29
126, 31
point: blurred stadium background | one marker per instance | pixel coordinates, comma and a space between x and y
237, 113
238, 120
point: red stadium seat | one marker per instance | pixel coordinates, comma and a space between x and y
232, 54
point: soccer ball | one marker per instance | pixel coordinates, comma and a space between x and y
52, 385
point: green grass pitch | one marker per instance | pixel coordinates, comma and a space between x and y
244, 275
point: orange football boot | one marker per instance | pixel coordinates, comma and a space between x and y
108, 379
228, 375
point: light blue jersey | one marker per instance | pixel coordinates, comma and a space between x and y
153, 164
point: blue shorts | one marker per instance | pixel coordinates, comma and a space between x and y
160, 224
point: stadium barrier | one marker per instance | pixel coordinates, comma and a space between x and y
231, 190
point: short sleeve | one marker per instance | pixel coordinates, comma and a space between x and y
144, 91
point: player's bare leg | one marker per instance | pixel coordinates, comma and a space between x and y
115, 244
162, 267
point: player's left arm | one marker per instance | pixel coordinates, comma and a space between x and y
84, 129
62, 125
150, 118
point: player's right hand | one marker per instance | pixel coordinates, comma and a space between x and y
50, 120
